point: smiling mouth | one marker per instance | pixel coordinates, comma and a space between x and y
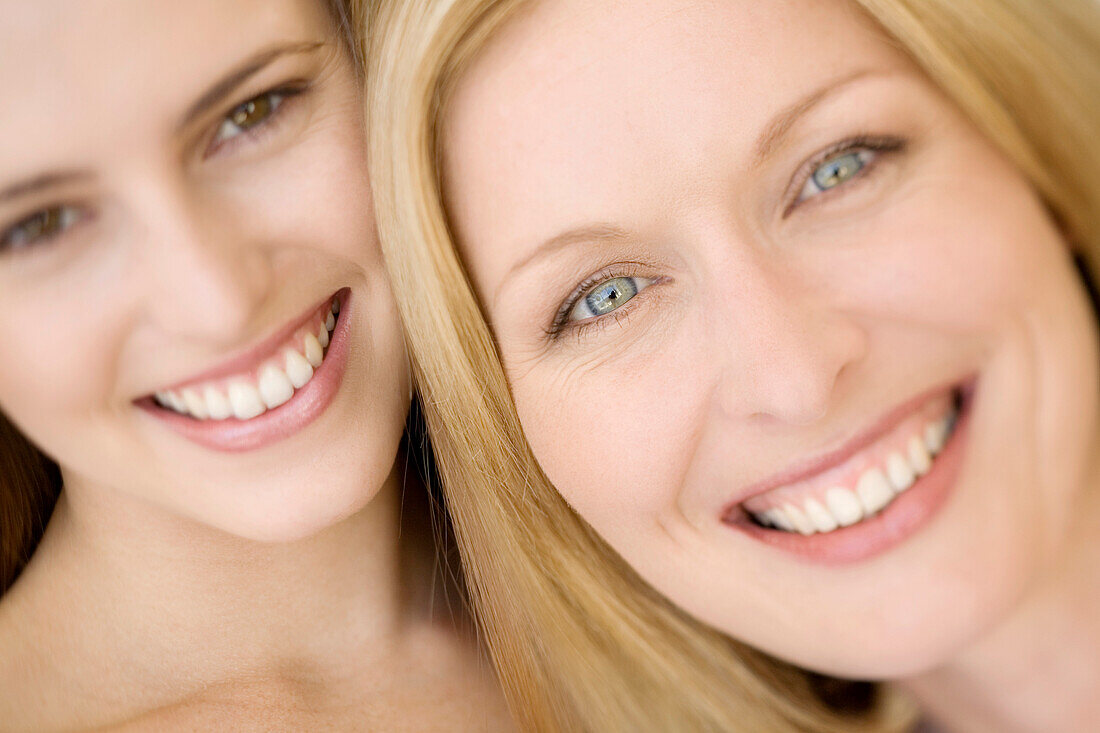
250, 393
864, 483
268, 393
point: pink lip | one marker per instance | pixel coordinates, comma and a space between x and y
307, 404
901, 518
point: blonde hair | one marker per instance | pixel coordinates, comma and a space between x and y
580, 642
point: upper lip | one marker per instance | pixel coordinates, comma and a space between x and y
810, 467
250, 358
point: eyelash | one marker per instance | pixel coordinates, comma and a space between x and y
879, 144
76, 214
561, 324
286, 93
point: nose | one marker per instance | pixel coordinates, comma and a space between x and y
204, 278
784, 350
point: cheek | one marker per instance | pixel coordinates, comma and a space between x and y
615, 436
995, 257
991, 272
965, 270
340, 186
1061, 328
61, 366
315, 196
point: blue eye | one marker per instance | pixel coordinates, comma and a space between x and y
39, 227
836, 170
607, 296
248, 115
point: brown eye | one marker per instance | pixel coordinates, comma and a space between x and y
39, 227
249, 115
252, 112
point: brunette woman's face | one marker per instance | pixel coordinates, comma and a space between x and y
779, 322
183, 199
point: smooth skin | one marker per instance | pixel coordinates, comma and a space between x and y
290, 587
673, 144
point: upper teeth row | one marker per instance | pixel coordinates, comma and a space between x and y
245, 397
875, 489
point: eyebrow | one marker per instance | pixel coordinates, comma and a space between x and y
242, 73
211, 97
44, 181
770, 138
590, 233
780, 125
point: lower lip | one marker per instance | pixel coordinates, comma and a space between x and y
307, 404
906, 514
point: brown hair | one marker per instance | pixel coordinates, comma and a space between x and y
29, 486
30, 482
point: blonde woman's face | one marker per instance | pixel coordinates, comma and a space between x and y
793, 337
183, 198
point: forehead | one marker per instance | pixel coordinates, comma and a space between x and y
77, 73
570, 95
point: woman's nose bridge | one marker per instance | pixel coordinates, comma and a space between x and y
785, 348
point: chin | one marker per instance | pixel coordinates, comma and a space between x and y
908, 657
291, 513
931, 628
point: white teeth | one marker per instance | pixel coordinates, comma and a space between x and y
900, 472
771, 518
176, 403
314, 351
798, 519
216, 404
196, 405
934, 436
298, 369
172, 400
918, 456
779, 519
844, 505
245, 400
874, 491
820, 516
275, 386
